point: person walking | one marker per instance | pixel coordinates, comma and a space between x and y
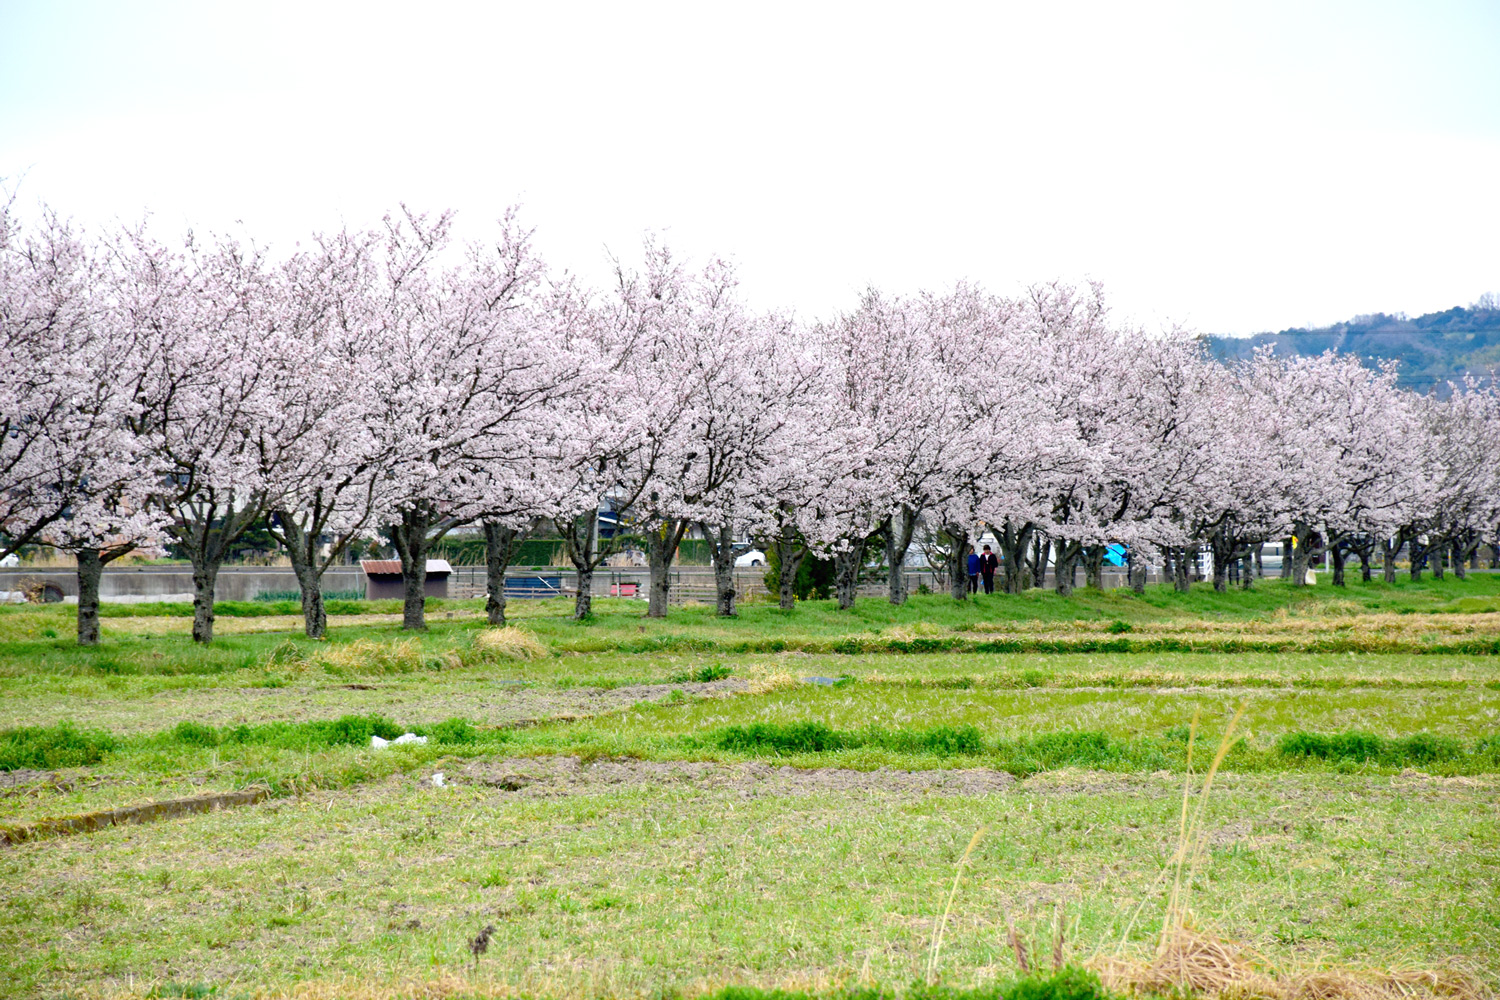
988, 563
974, 570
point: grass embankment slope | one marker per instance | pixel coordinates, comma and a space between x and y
616, 801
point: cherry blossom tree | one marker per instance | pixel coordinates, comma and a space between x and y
1463, 433
324, 470
200, 314
59, 411
467, 368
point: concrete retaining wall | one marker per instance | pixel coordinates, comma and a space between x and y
148, 813
235, 583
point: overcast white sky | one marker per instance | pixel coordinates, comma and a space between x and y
1233, 168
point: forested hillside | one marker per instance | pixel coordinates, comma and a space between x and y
1431, 348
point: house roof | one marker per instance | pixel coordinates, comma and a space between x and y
392, 567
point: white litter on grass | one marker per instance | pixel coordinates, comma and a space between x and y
377, 742
437, 779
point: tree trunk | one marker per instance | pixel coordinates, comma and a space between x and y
1063, 562
1014, 542
1093, 567
789, 554
724, 592
1037, 564
90, 569
898, 534
205, 575
661, 543
661, 585
580, 541
1288, 557
1184, 568
1260, 566
958, 563
1437, 554
1299, 563
1136, 569
301, 551
583, 601
1460, 570
1226, 552
499, 547
410, 537
1495, 555
1338, 554
721, 548
1388, 549
314, 616
1416, 555
846, 566
1248, 567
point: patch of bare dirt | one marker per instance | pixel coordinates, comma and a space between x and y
543, 777
24, 776
1079, 781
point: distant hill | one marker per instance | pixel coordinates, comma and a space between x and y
1431, 349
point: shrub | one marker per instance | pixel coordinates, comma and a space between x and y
195, 734
279, 596
454, 730
1085, 748
703, 675
946, 741
815, 737
44, 747
1360, 747
794, 737
354, 730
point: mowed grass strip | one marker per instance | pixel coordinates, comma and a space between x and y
1452, 615
99, 770
503, 692
622, 889
1467, 714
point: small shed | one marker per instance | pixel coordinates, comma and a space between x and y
383, 578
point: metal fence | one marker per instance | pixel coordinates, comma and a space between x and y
686, 584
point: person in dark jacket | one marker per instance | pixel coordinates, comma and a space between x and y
988, 563
973, 572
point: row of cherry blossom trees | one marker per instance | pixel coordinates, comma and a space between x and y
396, 383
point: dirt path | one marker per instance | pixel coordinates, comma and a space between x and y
545, 777
408, 702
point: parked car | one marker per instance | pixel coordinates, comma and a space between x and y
753, 558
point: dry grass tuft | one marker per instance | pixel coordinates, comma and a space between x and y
366, 656
510, 643
1192, 962
1185, 962
1345, 985
767, 683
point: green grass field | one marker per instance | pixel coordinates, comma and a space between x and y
778, 801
